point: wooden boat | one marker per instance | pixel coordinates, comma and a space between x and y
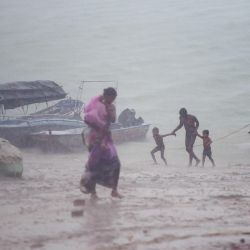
17, 94
18, 131
71, 139
58, 126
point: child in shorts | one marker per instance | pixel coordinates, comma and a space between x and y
159, 144
207, 152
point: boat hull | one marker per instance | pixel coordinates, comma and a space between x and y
18, 131
71, 140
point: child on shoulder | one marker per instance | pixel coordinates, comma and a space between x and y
159, 144
206, 146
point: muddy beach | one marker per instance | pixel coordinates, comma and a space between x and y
173, 207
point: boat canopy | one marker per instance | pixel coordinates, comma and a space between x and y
17, 94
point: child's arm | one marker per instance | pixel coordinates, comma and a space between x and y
199, 135
168, 135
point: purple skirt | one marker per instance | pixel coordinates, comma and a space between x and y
103, 168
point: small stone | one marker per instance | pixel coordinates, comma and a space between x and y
242, 240
79, 202
11, 162
76, 213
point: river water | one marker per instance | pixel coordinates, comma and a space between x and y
164, 55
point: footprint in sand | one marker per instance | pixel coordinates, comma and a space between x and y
36, 245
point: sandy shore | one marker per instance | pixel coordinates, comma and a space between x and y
172, 207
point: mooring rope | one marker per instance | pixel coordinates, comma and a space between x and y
217, 139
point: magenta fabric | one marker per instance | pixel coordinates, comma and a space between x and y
103, 165
95, 112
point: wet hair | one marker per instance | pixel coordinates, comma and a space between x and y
206, 131
183, 111
155, 129
110, 92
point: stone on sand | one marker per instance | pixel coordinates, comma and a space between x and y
11, 162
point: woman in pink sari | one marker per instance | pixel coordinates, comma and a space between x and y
103, 165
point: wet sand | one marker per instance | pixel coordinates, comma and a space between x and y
172, 207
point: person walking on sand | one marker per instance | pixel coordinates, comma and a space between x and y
103, 165
206, 146
191, 125
159, 145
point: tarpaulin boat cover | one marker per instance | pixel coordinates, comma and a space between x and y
17, 94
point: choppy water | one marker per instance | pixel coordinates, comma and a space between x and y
165, 54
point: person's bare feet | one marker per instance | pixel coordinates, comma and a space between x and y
93, 196
197, 162
115, 194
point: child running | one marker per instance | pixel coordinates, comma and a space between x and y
159, 144
206, 147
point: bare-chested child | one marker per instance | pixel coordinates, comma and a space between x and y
206, 146
159, 144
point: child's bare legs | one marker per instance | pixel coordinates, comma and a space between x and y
152, 154
163, 157
211, 159
203, 160
209, 155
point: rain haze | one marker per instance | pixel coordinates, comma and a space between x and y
163, 55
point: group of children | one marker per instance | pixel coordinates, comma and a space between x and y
207, 152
